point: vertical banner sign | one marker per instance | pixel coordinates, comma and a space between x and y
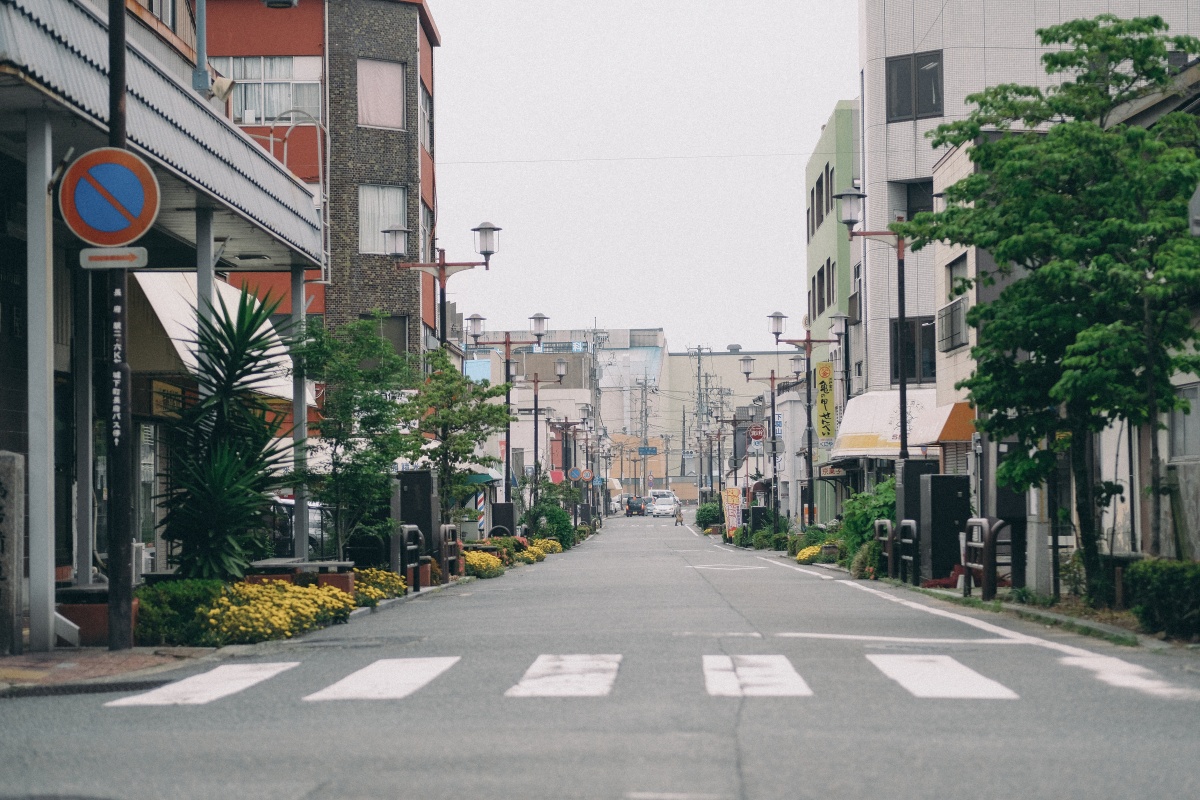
732, 500
826, 425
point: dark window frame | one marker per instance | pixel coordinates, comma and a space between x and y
922, 349
903, 85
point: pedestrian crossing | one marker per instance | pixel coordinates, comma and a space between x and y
577, 676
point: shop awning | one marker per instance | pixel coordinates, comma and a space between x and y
484, 475
172, 296
870, 426
953, 422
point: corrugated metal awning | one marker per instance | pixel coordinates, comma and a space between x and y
54, 54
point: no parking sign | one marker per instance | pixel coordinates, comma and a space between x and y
109, 197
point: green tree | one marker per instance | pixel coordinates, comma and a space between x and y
365, 385
449, 418
226, 457
1091, 212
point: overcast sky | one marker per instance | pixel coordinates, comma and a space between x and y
644, 159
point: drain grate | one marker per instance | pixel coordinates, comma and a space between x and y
56, 690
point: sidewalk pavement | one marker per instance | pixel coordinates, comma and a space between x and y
80, 670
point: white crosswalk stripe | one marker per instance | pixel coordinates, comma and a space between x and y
929, 676
753, 676
568, 676
386, 679
208, 686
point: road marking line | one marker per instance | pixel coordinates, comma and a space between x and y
717, 635
673, 796
753, 676
1108, 669
386, 679
725, 567
814, 573
939, 677
208, 686
689, 527
568, 676
850, 637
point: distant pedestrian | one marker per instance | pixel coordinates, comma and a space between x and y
679, 515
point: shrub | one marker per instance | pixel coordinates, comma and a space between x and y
526, 557
368, 596
808, 554
779, 540
709, 514
548, 546
547, 520
246, 613
508, 547
861, 510
168, 613
1166, 596
538, 553
386, 581
483, 565
866, 561
743, 537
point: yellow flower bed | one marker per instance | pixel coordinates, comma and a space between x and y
246, 613
483, 565
368, 596
808, 554
538, 553
547, 546
386, 581
526, 556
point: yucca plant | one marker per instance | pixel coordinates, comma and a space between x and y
226, 456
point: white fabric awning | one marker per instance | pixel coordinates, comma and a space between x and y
871, 424
173, 295
953, 422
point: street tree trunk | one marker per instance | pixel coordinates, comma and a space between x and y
1085, 511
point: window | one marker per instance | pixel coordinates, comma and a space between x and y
164, 10
267, 86
820, 290
920, 357
830, 283
829, 194
380, 94
920, 197
956, 275
812, 299
1185, 428
426, 234
426, 131
952, 325
379, 207
820, 204
394, 329
914, 86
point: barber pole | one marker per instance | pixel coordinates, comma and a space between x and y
479, 509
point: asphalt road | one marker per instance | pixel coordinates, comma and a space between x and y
647, 664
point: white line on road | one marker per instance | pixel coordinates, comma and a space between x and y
753, 676
1107, 669
939, 677
798, 569
719, 635
673, 796
208, 686
725, 567
386, 679
568, 676
850, 637
689, 527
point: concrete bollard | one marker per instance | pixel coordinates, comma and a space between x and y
12, 550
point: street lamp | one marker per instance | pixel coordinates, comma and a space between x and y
747, 363
852, 213
475, 331
560, 372
395, 244
800, 365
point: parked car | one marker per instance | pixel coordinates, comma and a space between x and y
635, 506
663, 507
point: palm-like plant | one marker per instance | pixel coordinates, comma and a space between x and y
225, 454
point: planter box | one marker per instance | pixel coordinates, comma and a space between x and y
287, 577
828, 550
339, 580
92, 619
425, 577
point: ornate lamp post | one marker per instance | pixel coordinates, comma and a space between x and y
395, 240
852, 213
747, 364
803, 366
560, 372
475, 331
